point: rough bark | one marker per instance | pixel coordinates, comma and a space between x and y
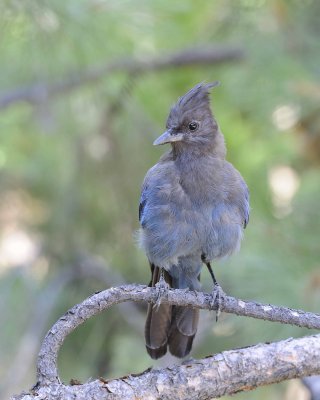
225, 373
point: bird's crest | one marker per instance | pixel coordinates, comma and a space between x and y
195, 98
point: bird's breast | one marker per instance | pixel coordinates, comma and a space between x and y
189, 211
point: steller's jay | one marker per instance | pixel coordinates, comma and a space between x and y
194, 206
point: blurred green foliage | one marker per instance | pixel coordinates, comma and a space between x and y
71, 167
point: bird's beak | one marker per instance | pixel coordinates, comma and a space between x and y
168, 137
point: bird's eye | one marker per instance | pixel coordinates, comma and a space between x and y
193, 126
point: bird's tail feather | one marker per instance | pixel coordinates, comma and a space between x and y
158, 320
184, 325
169, 325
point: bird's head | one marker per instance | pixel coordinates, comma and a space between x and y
190, 120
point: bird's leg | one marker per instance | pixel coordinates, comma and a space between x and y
162, 289
217, 293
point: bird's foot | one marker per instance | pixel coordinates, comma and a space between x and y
218, 296
162, 290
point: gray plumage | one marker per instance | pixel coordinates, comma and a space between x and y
194, 206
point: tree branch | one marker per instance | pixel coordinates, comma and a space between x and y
225, 373
228, 372
43, 91
87, 267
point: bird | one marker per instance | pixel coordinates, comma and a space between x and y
193, 209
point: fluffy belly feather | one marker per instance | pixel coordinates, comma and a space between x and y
164, 245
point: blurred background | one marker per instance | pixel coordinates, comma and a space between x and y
85, 88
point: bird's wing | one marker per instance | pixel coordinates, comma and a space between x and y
246, 207
238, 194
166, 215
156, 189
143, 200
149, 178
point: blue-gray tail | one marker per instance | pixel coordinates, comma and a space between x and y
169, 326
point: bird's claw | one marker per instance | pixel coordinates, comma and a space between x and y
217, 297
162, 291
